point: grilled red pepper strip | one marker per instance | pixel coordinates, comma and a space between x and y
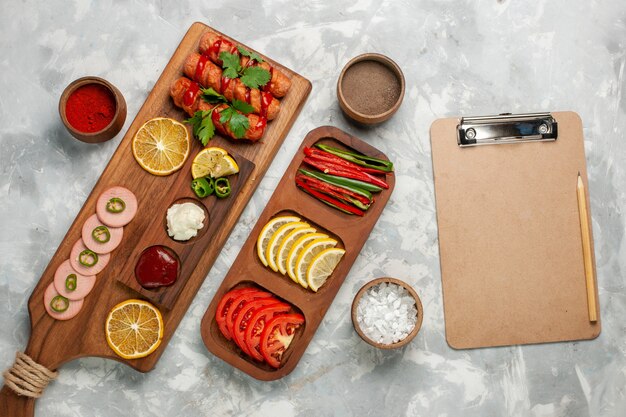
335, 194
340, 197
333, 159
329, 200
340, 182
359, 187
324, 186
344, 172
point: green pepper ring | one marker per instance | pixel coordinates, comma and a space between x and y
112, 205
222, 187
70, 282
54, 303
95, 233
88, 252
203, 187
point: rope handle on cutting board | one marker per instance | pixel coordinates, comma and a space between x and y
28, 378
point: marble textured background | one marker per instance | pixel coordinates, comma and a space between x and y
459, 57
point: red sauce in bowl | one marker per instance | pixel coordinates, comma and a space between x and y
157, 267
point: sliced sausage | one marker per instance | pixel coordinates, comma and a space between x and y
99, 265
72, 309
111, 237
64, 282
111, 212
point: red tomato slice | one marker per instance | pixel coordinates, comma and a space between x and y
277, 336
224, 306
243, 319
238, 304
257, 323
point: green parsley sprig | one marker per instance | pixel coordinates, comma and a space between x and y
212, 97
252, 55
237, 122
252, 77
202, 124
202, 121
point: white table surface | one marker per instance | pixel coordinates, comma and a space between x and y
458, 57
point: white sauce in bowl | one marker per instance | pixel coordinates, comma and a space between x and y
184, 220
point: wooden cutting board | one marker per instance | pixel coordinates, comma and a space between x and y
350, 231
53, 342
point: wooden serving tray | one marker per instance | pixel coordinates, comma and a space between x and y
350, 231
53, 342
189, 252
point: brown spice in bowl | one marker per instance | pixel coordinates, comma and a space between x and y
370, 87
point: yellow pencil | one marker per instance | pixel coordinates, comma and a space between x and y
586, 239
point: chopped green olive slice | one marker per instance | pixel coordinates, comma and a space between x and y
59, 303
88, 258
101, 234
116, 205
70, 282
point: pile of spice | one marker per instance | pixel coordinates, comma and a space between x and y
90, 108
387, 313
370, 87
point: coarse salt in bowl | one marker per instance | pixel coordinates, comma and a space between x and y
387, 313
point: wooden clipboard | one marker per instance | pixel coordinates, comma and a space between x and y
510, 244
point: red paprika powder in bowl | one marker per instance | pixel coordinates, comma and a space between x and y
92, 109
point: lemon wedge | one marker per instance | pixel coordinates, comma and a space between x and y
322, 266
277, 239
213, 162
306, 257
267, 232
296, 249
283, 251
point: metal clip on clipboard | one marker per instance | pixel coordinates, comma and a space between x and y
506, 128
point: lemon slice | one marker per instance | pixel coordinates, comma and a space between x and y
296, 249
216, 149
276, 240
306, 257
213, 162
283, 251
322, 265
134, 329
266, 233
161, 146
